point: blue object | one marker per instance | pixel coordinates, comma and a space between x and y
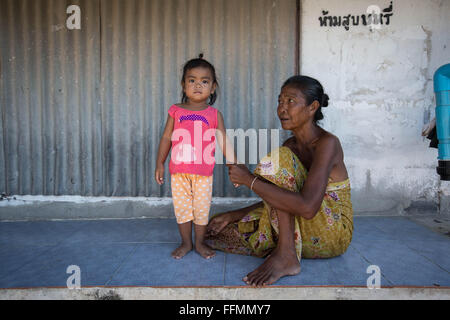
136, 252
442, 89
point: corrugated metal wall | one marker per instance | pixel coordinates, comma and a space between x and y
83, 110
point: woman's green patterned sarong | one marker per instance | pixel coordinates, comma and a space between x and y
327, 235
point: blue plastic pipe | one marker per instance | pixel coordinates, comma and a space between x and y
442, 90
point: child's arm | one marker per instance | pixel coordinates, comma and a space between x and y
224, 143
163, 150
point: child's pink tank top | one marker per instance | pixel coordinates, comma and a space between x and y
193, 141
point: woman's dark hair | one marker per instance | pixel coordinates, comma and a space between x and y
196, 63
312, 90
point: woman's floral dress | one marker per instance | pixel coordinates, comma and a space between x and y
327, 235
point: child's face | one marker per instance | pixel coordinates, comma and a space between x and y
198, 84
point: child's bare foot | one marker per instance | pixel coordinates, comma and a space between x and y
181, 251
205, 251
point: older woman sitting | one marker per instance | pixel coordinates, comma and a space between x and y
306, 209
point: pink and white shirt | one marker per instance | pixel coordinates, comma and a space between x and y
193, 141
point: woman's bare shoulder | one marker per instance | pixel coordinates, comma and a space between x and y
328, 139
330, 147
329, 144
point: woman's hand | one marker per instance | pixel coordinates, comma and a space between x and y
159, 174
239, 174
219, 222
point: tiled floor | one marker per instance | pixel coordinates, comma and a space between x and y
136, 252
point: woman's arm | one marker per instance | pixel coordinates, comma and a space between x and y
163, 150
305, 203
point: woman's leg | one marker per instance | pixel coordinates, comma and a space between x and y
283, 260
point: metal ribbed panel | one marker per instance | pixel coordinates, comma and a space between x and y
83, 110
49, 100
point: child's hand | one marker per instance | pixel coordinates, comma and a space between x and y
159, 174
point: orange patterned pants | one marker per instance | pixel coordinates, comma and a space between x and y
191, 194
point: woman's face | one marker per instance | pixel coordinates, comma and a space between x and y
292, 109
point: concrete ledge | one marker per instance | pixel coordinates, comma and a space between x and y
16, 208
227, 293
28, 207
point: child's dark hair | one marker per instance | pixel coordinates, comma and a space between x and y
312, 90
195, 63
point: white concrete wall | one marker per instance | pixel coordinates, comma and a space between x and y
380, 85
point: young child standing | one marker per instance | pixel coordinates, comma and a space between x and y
190, 130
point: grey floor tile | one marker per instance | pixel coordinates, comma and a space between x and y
396, 228
37, 232
109, 231
13, 257
162, 230
97, 263
401, 265
137, 252
437, 251
351, 269
364, 229
153, 265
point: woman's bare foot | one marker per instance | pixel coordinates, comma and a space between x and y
205, 251
277, 265
181, 251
